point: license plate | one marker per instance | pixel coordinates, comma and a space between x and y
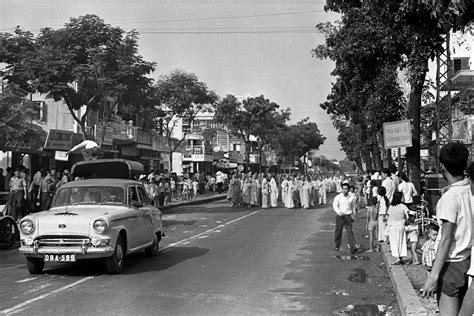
60, 258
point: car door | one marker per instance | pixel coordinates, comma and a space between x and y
134, 234
145, 219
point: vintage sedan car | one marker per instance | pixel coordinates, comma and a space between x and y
94, 218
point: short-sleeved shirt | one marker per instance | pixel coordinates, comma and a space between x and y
408, 190
454, 206
17, 183
429, 250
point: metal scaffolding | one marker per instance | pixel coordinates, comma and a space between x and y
443, 99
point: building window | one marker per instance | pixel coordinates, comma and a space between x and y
236, 147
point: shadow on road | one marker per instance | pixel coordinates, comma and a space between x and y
134, 264
222, 206
169, 223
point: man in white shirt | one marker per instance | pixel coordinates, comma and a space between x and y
344, 206
448, 277
219, 181
387, 182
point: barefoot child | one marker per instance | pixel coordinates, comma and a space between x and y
429, 247
372, 223
412, 236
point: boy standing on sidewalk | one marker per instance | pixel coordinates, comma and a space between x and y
448, 277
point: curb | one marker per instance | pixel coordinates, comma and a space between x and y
194, 202
408, 300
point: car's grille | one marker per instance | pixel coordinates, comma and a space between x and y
63, 241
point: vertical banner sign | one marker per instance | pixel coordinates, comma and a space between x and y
397, 134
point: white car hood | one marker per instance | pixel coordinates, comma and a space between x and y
72, 220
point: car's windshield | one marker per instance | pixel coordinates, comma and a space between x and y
89, 195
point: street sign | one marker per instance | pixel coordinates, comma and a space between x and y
397, 134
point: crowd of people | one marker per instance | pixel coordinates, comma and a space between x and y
446, 248
30, 194
289, 190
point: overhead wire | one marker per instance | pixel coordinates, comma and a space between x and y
35, 27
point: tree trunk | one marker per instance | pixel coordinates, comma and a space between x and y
413, 152
83, 129
171, 160
377, 157
388, 160
358, 163
368, 159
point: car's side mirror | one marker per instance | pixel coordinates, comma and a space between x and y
136, 204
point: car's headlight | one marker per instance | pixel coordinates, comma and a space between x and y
100, 225
27, 226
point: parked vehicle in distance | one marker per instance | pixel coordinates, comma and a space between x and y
100, 217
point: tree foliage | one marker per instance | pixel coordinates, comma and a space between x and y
298, 139
386, 36
86, 63
180, 97
258, 117
16, 121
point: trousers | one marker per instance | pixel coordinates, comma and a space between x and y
341, 222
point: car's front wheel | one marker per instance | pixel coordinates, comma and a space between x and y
35, 265
115, 262
152, 251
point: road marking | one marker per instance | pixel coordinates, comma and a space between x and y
25, 303
17, 308
25, 280
189, 239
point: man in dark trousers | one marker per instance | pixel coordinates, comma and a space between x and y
344, 206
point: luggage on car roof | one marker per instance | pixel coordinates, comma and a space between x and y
108, 168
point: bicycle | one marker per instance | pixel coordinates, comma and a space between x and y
422, 218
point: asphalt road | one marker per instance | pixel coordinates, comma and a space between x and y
216, 260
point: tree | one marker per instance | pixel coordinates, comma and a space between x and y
16, 120
413, 33
180, 97
87, 63
366, 92
266, 122
297, 140
258, 117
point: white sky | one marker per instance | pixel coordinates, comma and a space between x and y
240, 47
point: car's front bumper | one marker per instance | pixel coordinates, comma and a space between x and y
80, 252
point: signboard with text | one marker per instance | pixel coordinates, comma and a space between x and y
59, 140
397, 134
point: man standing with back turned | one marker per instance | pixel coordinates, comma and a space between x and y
345, 215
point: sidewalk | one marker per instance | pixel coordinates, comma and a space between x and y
201, 198
407, 281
